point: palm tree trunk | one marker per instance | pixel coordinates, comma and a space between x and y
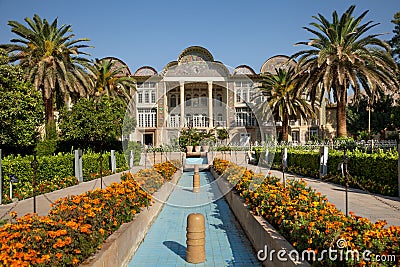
285, 128
48, 108
341, 113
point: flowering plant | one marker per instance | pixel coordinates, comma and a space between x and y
309, 221
75, 226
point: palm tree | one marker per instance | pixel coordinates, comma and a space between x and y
285, 98
108, 78
50, 58
343, 56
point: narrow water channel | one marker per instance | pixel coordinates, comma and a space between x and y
165, 243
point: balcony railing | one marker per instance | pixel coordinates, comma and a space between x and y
201, 122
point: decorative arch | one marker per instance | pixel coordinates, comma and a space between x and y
146, 71
243, 70
169, 65
279, 61
195, 53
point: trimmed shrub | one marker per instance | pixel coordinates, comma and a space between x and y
376, 172
54, 172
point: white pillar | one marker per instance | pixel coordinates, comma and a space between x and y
323, 154
210, 105
182, 95
284, 157
166, 123
113, 162
78, 165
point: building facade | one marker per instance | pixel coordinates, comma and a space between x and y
197, 91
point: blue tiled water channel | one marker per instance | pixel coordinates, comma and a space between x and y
165, 243
196, 160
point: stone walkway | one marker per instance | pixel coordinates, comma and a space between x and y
165, 243
372, 206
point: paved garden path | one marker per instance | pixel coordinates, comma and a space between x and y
43, 202
372, 206
165, 243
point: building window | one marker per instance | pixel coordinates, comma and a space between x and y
245, 117
173, 101
148, 89
219, 98
140, 97
203, 100
196, 100
295, 136
188, 100
174, 120
188, 120
220, 121
243, 90
204, 119
147, 117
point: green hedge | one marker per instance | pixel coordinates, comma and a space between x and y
54, 172
375, 172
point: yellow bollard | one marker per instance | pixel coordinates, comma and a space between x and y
195, 238
196, 179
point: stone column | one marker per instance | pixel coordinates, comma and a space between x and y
210, 105
195, 238
182, 96
165, 104
78, 165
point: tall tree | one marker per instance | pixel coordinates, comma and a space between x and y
382, 116
395, 41
108, 78
51, 59
93, 124
284, 98
341, 56
21, 112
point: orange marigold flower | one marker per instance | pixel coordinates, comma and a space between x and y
59, 243
68, 240
85, 228
59, 255
75, 261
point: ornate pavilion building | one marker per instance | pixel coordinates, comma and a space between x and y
200, 92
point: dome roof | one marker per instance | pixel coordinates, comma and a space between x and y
146, 71
195, 53
276, 62
243, 70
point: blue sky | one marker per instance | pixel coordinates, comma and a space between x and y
155, 32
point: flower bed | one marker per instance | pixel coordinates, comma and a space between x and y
307, 220
167, 169
75, 227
